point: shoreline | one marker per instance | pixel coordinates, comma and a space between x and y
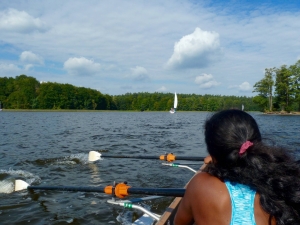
282, 113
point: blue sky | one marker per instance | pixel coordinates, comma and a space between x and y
202, 47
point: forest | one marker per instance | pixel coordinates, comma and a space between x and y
279, 89
25, 92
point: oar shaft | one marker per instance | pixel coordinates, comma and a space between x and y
67, 188
170, 157
130, 156
175, 192
189, 158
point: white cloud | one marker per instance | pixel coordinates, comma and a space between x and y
29, 57
8, 69
81, 66
28, 67
161, 89
206, 81
245, 86
20, 21
139, 73
196, 50
250, 40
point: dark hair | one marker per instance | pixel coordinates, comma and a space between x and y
270, 170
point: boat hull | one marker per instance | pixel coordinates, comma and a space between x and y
168, 216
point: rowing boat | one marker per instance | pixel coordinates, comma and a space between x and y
169, 214
149, 218
122, 190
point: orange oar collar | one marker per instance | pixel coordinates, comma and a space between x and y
120, 190
168, 157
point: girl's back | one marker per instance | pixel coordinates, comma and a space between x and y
208, 201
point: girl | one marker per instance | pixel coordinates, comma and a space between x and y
246, 182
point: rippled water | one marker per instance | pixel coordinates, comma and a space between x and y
51, 148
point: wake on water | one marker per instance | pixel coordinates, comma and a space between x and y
80, 158
7, 185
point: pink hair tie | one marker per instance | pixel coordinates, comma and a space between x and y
245, 146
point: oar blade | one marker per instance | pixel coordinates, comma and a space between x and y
20, 185
94, 156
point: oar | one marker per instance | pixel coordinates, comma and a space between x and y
170, 157
178, 165
129, 204
120, 190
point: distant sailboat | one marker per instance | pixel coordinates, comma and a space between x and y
0, 107
173, 110
242, 107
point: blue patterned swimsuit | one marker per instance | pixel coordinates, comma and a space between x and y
242, 204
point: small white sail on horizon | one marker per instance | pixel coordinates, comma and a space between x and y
242, 107
173, 110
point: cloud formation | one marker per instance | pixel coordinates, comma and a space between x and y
139, 73
161, 89
20, 22
196, 50
245, 86
7, 69
81, 66
29, 57
130, 46
206, 81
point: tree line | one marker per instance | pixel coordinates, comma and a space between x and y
25, 92
279, 89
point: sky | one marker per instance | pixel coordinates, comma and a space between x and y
117, 47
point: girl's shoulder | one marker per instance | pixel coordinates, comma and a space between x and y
206, 180
208, 196
204, 184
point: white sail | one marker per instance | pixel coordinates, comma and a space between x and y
173, 110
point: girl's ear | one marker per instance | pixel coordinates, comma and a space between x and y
208, 159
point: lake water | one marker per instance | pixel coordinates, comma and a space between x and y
51, 148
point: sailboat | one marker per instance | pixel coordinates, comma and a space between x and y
0, 107
173, 110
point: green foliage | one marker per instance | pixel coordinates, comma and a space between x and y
286, 82
284, 88
19, 92
261, 101
186, 102
25, 92
265, 89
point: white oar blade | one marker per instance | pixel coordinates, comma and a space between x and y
20, 185
94, 156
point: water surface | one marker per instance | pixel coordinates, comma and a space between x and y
51, 148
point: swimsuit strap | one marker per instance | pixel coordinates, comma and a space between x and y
242, 203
